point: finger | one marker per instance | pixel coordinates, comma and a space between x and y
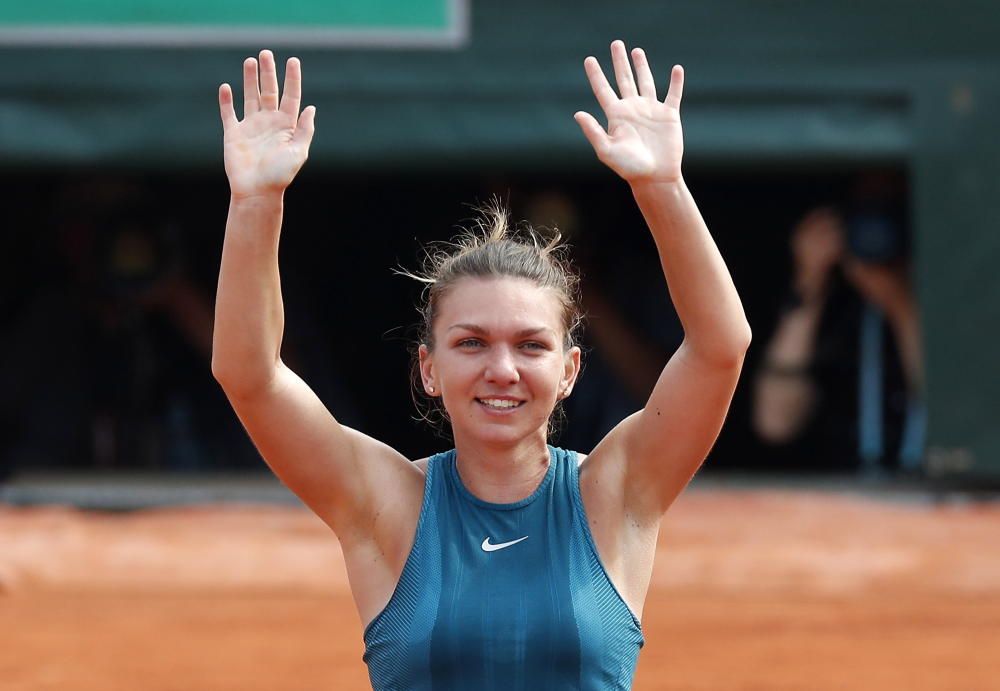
226, 107
306, 126
605, 95
647, 87
291, 96
251, 94
268, 81
593, 131
676, 89
623, 71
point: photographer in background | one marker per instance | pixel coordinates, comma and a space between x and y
832, 386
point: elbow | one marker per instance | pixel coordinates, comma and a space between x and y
724, 352
744, 339
219, 373
738, 345
223, 377
240, 382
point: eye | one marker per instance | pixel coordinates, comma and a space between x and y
534, 345
469, 343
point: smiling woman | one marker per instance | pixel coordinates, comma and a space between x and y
484, 279
504, 562
497, 353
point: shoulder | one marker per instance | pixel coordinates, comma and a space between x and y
423, 464
569, 455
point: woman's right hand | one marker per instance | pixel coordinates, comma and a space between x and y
265, 150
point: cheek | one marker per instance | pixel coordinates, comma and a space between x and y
546, 374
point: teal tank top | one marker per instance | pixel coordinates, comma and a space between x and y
508, 597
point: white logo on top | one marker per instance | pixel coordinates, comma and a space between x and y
487, 547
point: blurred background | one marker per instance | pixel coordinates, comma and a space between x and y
842, 533
845, 161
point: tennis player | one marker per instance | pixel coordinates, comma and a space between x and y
503, 563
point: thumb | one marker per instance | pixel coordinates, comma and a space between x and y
306, 126
593, 131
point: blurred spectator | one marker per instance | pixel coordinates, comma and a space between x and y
831, 387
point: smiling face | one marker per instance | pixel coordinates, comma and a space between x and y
498, 359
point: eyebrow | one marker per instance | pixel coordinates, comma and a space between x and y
476, 329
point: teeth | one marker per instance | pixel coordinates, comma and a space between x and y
497, 403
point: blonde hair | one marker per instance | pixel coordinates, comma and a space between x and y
491, 248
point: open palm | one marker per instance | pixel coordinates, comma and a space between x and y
265, 150
643, 141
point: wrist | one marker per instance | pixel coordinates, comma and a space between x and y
261, 199
661, 194
656, 186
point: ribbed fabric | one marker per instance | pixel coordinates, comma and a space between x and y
537, 614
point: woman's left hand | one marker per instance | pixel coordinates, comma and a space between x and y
643, 142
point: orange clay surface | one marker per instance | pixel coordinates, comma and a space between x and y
753, 589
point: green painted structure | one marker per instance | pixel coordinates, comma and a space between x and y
770, 83
186, 23
360, 14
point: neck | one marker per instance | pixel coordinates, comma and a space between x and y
502, 473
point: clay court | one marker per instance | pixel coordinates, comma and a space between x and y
753, 589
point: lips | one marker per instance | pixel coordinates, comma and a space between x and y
500, 404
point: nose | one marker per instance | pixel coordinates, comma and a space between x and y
501, 367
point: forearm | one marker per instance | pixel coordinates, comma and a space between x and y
702, 291
794, 342
906, 328
249, 317
785, 392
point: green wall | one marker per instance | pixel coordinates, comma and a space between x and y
213, 23
770, 82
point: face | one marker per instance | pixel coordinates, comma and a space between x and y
499, 362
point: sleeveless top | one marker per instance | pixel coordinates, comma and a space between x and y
503, 596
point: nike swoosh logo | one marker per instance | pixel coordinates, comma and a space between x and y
487, 547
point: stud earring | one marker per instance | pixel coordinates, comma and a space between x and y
431, 389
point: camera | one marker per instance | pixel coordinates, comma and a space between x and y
876, 236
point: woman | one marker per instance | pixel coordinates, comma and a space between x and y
505, 561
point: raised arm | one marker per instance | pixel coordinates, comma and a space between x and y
662, 445
314, 455
262, 154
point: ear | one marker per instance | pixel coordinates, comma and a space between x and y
427, 371
570, 372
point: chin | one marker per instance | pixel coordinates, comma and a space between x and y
505, 435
